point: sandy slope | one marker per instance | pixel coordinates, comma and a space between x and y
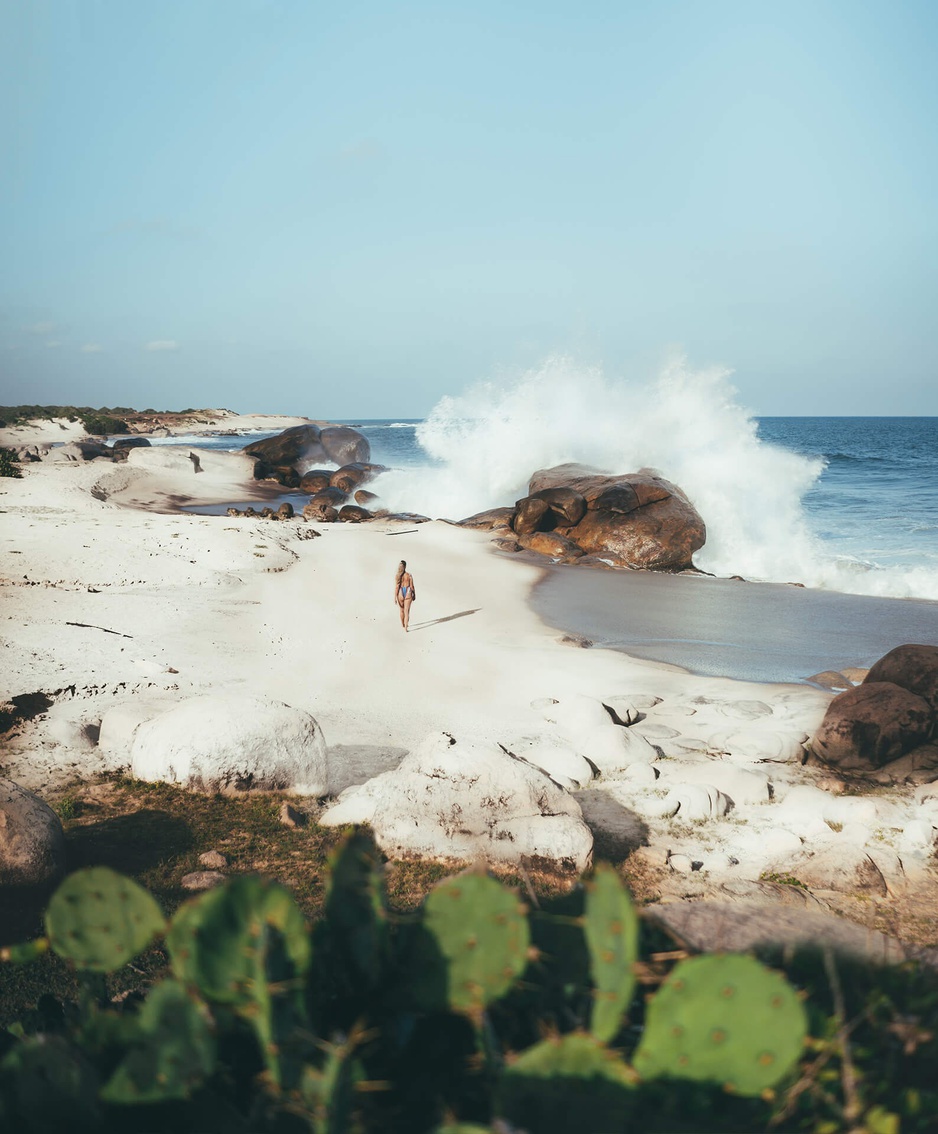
61, 430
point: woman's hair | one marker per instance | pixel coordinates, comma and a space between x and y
402, 567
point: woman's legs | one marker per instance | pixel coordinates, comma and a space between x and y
400, 607
405, 612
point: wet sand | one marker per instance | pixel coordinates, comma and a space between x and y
744, 630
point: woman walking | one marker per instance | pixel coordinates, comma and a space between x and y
404, 592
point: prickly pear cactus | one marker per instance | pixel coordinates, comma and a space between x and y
566, 1083
244, 944
25, 953
46, 1084
99, 920
610, 926
329, 1091
355, 914
473, 945
723, 1019
173, 1053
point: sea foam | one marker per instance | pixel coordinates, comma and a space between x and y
686, 424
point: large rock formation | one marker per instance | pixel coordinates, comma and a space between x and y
887, 718
459, 800
231, 744
32, 843
636, 520
305, 446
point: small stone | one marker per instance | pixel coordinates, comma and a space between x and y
214, 860
290, 817
202, 880
681, 863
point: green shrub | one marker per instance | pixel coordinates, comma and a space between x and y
9, 463
99, 425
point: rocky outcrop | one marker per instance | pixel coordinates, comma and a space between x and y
305, 446
32, 843
231, 744
460, 800
880, 725
638, 520
353, 476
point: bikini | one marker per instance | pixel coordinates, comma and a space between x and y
404, 591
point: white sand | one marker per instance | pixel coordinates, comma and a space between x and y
173, 605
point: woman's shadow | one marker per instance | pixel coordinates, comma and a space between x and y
447, 618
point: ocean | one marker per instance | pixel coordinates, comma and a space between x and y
842, 503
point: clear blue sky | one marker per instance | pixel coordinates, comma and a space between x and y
343, 209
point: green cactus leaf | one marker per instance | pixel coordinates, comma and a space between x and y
723, 1019
572, 1082
99, 919
473, 944
174, 1052
610, 926
245, 944
329, 1091
355, 912
25, 953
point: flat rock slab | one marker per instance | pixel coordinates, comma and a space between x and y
740, 927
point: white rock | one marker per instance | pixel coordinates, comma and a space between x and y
656, 731
176, 459
640, 774
613, 748
695, 803
555, 757
681, 863
918, 835
451, 799
119, 724
574, 713
742, 786
232, 743
744, 710
758, 746
624, 708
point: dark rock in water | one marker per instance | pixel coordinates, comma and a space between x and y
911, 667
232, 512
409, 517
345, 445
636, 520
304, 446
286, 510
130, 443
315, 481
487, 521
363, 496
287, 476
872, 725
334, 497
353, 514
351, 476
267, 512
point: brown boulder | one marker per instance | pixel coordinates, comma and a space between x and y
304, 446
350, 477
872, 725
344, 445
487, 521
911, 667
550, 543
637, 519
363, 496
315, 481
352, 514
529, 515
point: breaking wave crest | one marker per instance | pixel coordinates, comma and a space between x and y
687, 425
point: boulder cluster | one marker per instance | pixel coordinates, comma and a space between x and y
577, 515
886, 728
76, 451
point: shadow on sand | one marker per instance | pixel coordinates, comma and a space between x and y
447, 618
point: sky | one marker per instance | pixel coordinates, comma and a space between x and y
350, 210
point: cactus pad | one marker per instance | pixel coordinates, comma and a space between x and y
245, 944
610, 926
568, 1083
174, 1053
474, 944
99, 920
723, 1019
355, 913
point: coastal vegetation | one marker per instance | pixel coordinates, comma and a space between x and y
357, 996
104, 419
9, 463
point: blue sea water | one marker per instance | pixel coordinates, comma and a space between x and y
867, 520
